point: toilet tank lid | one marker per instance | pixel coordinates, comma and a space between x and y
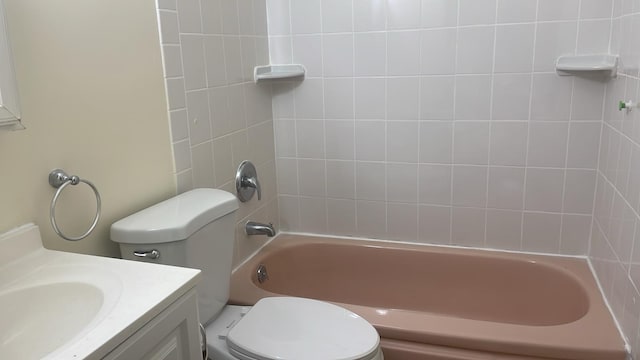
174, 219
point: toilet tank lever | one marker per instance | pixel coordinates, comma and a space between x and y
150, 254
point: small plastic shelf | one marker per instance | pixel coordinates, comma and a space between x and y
9, 121
14, 124
572, 64
273, 72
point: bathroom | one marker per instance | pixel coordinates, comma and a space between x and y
427, 121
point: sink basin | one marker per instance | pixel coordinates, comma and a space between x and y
62, 306
39, 319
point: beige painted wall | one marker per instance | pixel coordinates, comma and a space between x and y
90, 79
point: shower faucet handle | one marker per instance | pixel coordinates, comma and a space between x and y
252, 183
247, 181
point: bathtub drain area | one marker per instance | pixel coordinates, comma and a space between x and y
262, 274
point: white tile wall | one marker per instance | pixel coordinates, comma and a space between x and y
440, 121
510, 11
615, 239
502, 227
474, 12
219, 117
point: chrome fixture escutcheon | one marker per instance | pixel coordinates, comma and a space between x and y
247, 181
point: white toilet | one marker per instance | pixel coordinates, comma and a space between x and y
196, 229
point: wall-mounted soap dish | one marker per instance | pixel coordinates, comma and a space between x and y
576, 64
273, 72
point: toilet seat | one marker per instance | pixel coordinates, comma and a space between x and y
296, 328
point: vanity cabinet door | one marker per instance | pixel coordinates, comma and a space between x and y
172, 335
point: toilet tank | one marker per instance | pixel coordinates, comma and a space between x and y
194, 229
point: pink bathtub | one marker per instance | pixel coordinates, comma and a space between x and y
434, 303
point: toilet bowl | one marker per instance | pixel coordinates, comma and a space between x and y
291, 328
196, 229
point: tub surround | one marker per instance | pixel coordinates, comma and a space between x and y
615, 237
448, 300
439, 121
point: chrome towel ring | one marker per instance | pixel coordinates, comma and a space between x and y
59, 179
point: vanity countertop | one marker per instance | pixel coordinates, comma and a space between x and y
70, 306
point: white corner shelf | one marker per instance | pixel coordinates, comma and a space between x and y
8, 120
573, 64
273, 72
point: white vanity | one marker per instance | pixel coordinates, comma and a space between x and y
58, 305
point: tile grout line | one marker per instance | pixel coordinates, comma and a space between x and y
417, 174
324, 125
386, 116
455, 115
526, 155
568, 137
491, 106
353, 114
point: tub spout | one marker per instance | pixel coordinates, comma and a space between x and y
256, 228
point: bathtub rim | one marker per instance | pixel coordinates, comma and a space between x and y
401, 242
464, 333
